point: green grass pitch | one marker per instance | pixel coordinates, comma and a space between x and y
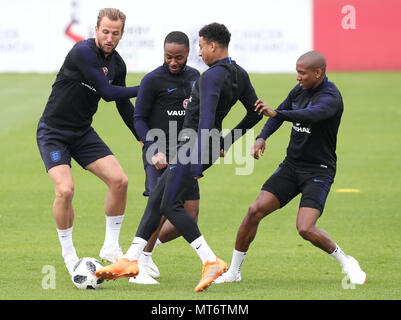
280, 265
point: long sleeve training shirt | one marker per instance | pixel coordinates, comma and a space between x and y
86, 76
212, 97
160, 104
315, 115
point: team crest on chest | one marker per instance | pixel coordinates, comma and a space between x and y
105, 70
185, 103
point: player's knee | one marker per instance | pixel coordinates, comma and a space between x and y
306, 232
65, 192
255, 214
124, 182
120, 183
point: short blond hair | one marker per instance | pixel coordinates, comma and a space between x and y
113, 14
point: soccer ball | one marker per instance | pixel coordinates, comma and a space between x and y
83, 274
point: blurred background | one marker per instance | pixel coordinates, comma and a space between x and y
267, 36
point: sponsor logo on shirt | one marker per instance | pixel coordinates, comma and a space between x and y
297, 127
176, 112
88, 86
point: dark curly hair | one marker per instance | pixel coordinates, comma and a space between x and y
216, 32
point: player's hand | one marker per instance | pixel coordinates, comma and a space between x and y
262, 107
258, 148
141, 143
222, 153
159, 160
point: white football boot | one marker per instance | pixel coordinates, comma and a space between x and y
70, 262
228, 277
153, 270
111, 254
353, 270
143, 276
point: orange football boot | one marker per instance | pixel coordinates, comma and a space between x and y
118, 269
210, 271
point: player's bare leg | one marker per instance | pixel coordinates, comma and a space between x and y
63, 211
110, 171
264, 204
306, 226
64, 189
152, 240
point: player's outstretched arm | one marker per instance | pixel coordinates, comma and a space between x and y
324, 107
262, 107
86, 61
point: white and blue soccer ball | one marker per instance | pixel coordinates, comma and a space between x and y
83, 273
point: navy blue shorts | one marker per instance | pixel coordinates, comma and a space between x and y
152, 176
287, 182
58, 146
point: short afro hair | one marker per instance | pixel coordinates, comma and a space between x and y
177, 37
216, 32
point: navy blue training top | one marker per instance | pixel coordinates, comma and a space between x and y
316, 115
86, 76
161, 102
212, 97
